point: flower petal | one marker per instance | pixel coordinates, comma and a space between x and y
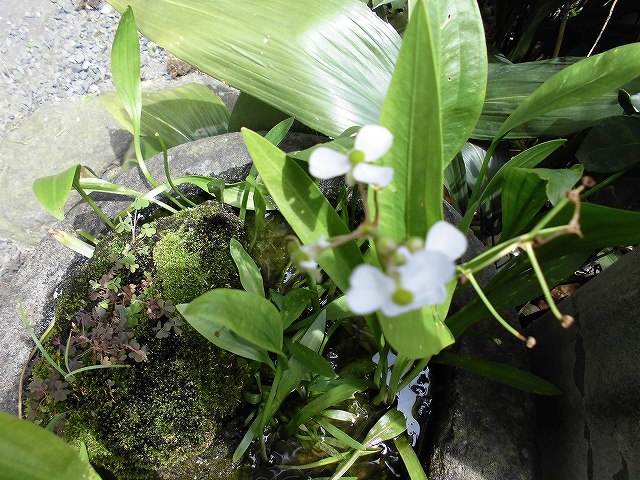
373, 174
434, 296
446, 239
369, 289
374, 141
326, 163
426, 270
391, 309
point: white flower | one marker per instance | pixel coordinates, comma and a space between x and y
305, 257
372, 142
420, 280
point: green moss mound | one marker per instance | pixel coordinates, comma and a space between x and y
156, 413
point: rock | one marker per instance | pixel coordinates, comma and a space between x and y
50, 141
481, 429
592, 430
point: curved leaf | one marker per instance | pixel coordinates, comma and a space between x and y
52, 192
179, 115
327, 63
249, 316
581, 81
250, 276
31, 452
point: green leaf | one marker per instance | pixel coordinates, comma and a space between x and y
295, 303
31, 452
523, 196
463, 69
311, 360
390, 425
277, 133
250, 276
612, 145
410, 459
249, 316
72, 242
509, 85
419, 333
526, 159
251, 113
53, 191
455, 181
309, 63
303, 206
413, 202
582, 81
125, 67
512, 376
338, 394
179, 115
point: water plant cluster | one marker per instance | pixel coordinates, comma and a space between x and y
370, 273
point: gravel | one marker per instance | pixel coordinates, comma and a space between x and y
51, 51
54, 51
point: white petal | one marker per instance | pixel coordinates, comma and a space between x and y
326, 163
391, 309
369, 289
373, 174
425, 271
434, 296
374, 141
446, 239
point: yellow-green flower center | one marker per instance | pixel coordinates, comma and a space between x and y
402, 297
356, 156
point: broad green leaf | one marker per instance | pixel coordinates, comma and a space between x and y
125, 67
512, 376
250, 276
409, 458
224, 338
419, 333
523, 195
338, 394
340, 435
455, 181
311, 360
611, 145
581, 81
516, 284
304, 206
509, 85
559, 181
249, 316
179, 115
338, 309
31, 452
463, 70
413, 202
327, 63
53, 191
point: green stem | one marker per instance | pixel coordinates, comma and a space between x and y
606, 182
491, 309
313, 287
542, 280
245, 195
167, 173
419, 367
399, 369
93, 205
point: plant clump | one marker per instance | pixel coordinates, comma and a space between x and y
142, 389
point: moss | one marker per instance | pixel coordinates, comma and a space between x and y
155, 414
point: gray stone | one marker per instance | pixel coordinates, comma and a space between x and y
482, 429
50, 141
592, 430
